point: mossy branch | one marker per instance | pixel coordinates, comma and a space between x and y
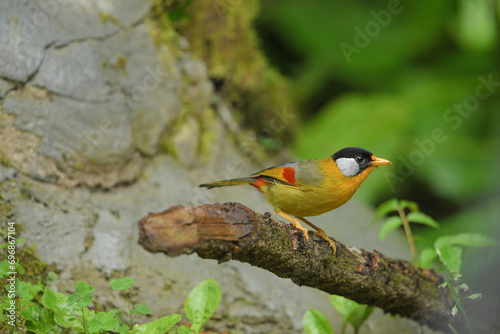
232, 231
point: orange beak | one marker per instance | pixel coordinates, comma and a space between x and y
379, 161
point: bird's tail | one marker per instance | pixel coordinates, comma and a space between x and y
232, 182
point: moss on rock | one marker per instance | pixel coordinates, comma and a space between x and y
222, 35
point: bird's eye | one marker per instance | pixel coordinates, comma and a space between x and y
359, 159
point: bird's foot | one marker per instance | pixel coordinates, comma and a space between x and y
294, 221
303, 229
320, 233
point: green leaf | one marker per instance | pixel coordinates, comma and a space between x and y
123, 329
22, 289
422, 218
315, 322
85, 301
184, 330
343, 305
51, 276
73, 299
39, 321
464, 239
142, 309
47, 319
26, 290
31, 312
64, 314
389, 225
94, 325
359, 315
475, 296
351, 311
83, 289
103, 321
4, 268
159, 326
413, 206
122, 283
451, 257
109, 322
34, 326
34, 290
15, 243
202, 302
385, 208
427, 256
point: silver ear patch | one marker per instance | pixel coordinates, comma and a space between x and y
348, 166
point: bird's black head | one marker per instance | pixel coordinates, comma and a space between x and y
353, 160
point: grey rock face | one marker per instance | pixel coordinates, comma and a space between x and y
92, 87
29, 27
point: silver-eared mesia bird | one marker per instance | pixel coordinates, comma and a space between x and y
311, 187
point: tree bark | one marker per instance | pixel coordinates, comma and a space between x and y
232, 231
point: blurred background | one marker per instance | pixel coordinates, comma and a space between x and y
415, 82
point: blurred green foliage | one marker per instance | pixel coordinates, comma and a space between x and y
417, 68
415, 82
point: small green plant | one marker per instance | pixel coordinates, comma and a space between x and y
82, 298
201, 303
315, 322
65, 312
448, 250
402, 219
53, 310
446, 253
123, 284
351, 312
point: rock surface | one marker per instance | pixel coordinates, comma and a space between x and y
86, 99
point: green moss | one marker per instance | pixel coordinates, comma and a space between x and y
35, 270
105, 17
163, 31
3, 158
166, 143
221, 34
207, 136
78, 167
120, 63
5, 212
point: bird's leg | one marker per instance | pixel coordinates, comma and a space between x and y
294, 221
320, 233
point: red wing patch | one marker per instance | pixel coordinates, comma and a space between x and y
284, 174
289, 175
